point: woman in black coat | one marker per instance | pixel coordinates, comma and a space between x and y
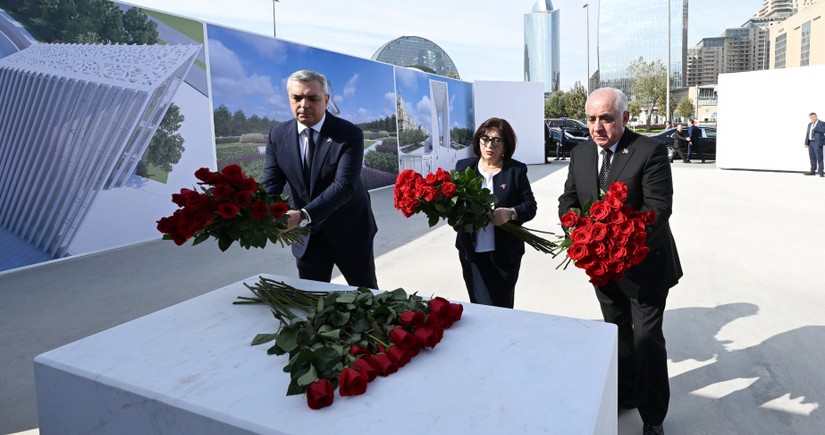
491, 257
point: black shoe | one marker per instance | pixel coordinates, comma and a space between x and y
810, 173
564, 158
650, 429
822, 175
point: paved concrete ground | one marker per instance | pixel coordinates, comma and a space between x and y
744, 327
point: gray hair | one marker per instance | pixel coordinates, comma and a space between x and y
308, 76
619, 98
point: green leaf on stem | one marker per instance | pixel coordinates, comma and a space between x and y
263, 338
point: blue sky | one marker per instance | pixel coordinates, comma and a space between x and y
249, 72
483, 37
414, 87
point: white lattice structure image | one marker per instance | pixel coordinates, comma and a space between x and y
440, 111
75, 119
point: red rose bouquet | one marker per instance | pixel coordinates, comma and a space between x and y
348, 339
459, 198
229, 207
608, 238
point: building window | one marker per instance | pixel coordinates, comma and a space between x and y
805, 51
781, 48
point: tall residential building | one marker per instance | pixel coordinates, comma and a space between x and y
781, 8
800, 39
737, 50
629, 29
541, 46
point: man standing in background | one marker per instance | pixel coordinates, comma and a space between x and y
814, 139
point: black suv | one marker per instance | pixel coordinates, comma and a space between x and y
572, 126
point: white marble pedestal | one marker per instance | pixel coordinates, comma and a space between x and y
190, 369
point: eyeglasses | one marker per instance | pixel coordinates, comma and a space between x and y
493, 142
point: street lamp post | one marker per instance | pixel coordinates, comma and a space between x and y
586, 6
667, 79
274, 31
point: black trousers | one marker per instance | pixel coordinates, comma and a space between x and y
642, 354
490, 282
357, 264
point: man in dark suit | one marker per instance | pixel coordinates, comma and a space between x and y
636, 303
320, 156
694, 137
814, 140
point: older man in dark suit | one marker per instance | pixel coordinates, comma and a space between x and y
636, 303
814, 140
320, 156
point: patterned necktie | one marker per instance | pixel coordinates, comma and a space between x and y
606, 155
309, 151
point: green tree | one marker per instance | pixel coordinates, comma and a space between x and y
223, 121
238, 123
575, 100
685, 108
83, 21
166, 147
648, 83
635, 108
554, 105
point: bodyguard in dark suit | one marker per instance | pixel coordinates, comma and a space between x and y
491, 257
320, 156
814, 140
636, 303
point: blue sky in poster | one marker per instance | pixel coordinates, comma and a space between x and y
249, 72
414, 88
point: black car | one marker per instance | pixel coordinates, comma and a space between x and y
572, 126
570, 141
706, 145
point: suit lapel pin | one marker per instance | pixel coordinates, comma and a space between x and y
503, 186
624, 151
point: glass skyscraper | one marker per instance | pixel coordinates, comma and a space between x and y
541, 46
629, 29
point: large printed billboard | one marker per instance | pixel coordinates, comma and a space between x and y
104, 116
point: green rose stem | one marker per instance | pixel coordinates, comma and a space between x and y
528, 236
279, 296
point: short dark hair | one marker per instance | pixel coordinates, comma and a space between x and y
812, 114
507, 135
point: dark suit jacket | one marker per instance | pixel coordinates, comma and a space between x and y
819, 134
336, 199
512, 188
642, 164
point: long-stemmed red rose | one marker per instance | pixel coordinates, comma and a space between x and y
608, 238
348, 338
230, 207
460, 199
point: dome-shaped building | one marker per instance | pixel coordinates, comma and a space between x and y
419, 53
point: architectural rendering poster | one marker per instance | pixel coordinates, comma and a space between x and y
435, 120
249, 74
102, 118
101, 121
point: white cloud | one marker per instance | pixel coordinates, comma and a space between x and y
223, 62
350, 88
